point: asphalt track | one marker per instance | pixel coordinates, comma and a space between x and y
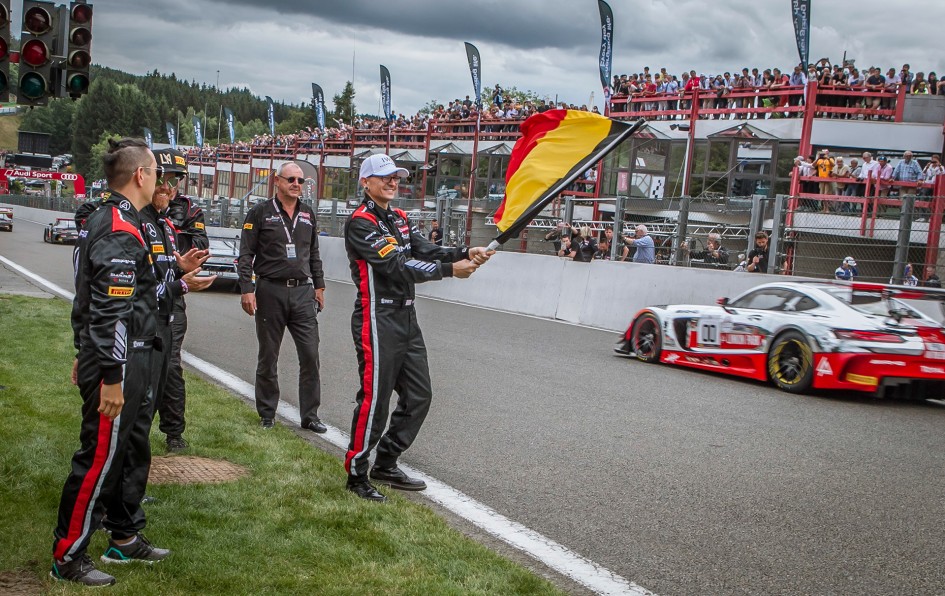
682, 482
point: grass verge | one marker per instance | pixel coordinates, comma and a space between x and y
288, 528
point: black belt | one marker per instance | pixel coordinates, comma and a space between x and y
289, 283
395, 302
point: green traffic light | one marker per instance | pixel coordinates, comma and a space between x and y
78, 84
33, 85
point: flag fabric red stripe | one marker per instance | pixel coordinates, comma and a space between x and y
533, 130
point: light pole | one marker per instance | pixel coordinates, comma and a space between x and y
220, 114
688, 156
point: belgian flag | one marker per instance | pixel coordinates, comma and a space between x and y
556, 147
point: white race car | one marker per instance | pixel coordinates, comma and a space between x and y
801, 336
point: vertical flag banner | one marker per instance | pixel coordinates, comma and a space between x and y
318, 100
198, 132
149, 138
801, 10
230, 124
272, 117
606, 46
385, 91
475, 69
556, 147
171, 135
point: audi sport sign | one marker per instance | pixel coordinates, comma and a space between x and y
78, 182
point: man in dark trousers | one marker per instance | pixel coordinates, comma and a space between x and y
280, 245
114, 326
176, 269
387, 257
183, 220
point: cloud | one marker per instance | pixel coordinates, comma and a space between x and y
548, 46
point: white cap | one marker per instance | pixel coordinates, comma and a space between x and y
850, 261
381, 165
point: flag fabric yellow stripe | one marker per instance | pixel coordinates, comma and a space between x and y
550, 155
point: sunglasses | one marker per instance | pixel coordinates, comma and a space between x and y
171, 179
293, 179
158, 170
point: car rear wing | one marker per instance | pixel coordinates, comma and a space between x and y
900, 292
6, 211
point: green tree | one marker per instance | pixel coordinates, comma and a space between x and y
344, 106
296, 121
56, 120
95, 113
96, 153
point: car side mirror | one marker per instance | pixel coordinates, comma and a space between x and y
722, 301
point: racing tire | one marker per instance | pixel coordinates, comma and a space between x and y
45, 235
791, 362
646, 339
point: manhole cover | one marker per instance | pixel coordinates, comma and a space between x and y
20, 583
186, 469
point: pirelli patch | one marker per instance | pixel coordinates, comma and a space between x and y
386, 250
157, 249
120, 291
248, 226
390, 239
199, 225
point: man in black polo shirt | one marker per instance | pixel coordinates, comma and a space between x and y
280, 245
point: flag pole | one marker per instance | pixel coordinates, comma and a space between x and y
472, 178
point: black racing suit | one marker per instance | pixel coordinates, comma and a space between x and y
160, 235
188, 220
114, 326
387, 257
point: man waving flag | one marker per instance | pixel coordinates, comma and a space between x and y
556, 147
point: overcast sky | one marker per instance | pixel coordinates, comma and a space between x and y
548, 46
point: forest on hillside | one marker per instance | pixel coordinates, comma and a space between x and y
122, 104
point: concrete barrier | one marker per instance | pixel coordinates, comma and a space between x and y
43, 216
601, 294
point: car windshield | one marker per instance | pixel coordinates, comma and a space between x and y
65, 224
870, 303
222, 247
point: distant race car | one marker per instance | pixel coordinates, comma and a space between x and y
224, 253
802, 336
63, 231
6, 219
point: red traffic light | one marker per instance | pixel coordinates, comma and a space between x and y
80, 36
37, 20
34, 53
81, 13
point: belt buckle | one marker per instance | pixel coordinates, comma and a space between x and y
292, 283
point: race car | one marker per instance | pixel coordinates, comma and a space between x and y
224, 254
6, 219
62, 231
802, 336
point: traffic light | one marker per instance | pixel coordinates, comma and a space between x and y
78, 49
4, 50
36, 52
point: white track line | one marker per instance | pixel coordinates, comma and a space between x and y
539, 547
